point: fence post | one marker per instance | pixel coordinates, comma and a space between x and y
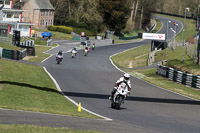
198, 51
1, 52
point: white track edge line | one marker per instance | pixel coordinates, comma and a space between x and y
58, 87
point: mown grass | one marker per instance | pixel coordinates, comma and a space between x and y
131, 58
57, 35
175, 60
9, 46
40, 55
38, 129
150, 74
158, 26
28, 87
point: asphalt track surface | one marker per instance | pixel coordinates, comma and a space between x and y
89, 80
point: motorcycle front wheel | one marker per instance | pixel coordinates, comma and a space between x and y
112, 105
120, 99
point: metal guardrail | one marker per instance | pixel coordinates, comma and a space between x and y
178, 76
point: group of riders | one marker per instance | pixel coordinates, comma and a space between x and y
74, 49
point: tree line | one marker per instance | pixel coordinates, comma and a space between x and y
99, 15
118, 15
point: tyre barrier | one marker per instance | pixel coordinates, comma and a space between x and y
178, 76
13, 54
27, 43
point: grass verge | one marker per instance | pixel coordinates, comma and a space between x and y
28, 87
131, 58
40, 55
123, 60
57, 35
38, 129
158, 26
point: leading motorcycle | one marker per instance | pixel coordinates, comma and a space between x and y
119, 96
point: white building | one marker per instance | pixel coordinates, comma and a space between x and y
12, 20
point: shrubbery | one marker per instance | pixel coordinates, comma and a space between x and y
68, 30
62, 29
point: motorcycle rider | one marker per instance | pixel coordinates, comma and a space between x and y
74, 49
60, 53
126, 80
93, 46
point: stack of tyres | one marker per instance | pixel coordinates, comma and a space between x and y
7, 53
15, 55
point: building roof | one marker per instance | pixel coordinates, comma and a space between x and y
44, 4
12, 10
14, 23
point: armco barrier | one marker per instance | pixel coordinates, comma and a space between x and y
128, 38
178, 76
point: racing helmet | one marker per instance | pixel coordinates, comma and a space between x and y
126, 76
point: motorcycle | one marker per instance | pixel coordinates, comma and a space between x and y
86, 52
74, 52
93, 47
119, 96
59, 59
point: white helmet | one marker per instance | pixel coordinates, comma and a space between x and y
126, 76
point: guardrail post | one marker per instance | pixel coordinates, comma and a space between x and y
1, 52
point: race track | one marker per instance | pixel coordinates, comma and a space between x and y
90, 79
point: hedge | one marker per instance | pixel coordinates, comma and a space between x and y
62, 29
68, 30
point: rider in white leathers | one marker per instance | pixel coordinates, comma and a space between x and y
125, 79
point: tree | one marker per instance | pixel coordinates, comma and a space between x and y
114, 14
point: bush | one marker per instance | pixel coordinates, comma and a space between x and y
68, 30
62, 29
52, 28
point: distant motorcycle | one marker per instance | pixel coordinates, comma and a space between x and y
74, 52
59, 59
93, 47
119, 96
86, 52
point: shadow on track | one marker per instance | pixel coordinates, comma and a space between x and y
30, 86
102, 96
134, 98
